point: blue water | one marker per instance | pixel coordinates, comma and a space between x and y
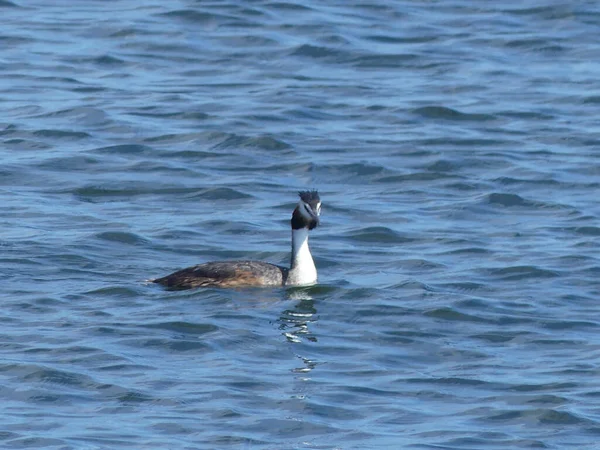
455, 147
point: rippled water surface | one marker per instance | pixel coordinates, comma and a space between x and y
456, 148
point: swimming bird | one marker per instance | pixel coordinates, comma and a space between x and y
302, 269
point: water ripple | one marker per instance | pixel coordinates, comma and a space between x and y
457, 255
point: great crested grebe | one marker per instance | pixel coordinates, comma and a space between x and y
302, 269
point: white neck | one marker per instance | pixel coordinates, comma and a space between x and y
302, 268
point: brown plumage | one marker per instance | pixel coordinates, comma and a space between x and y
226, 274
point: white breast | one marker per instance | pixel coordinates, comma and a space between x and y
302, 270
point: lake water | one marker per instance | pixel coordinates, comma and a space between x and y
456, 149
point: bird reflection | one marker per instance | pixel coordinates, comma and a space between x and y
294, 322
308, 366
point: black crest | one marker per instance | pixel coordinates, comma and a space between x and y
310, 197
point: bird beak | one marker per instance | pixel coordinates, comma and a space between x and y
314, 215
316, 221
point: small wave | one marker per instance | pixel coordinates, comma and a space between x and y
62, 377
134, 397
382, 235
124, 149
58, 80
464, 186
444, 381
569, 324
62, 134
593, 99
180, 115
464, 286
388, 39
411, 285
545, 416
515, 200
496, 337
452, 314
289, 6
192, 15
26, 144
415, 176
508, 200
168, 344
551, 416
259, 142
528, 115
588, 231
357, 169
184, 327
122, 237
314, 51
522, 273
96, 193
173, 138
220, 194
468, 250
385, 60
442, 112
419, 264
84, 114
444, 165
114, 291
512, 181
192, 154
109, 61
71, 163
535, 44
464, 142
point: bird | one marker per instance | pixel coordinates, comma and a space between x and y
245, 273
